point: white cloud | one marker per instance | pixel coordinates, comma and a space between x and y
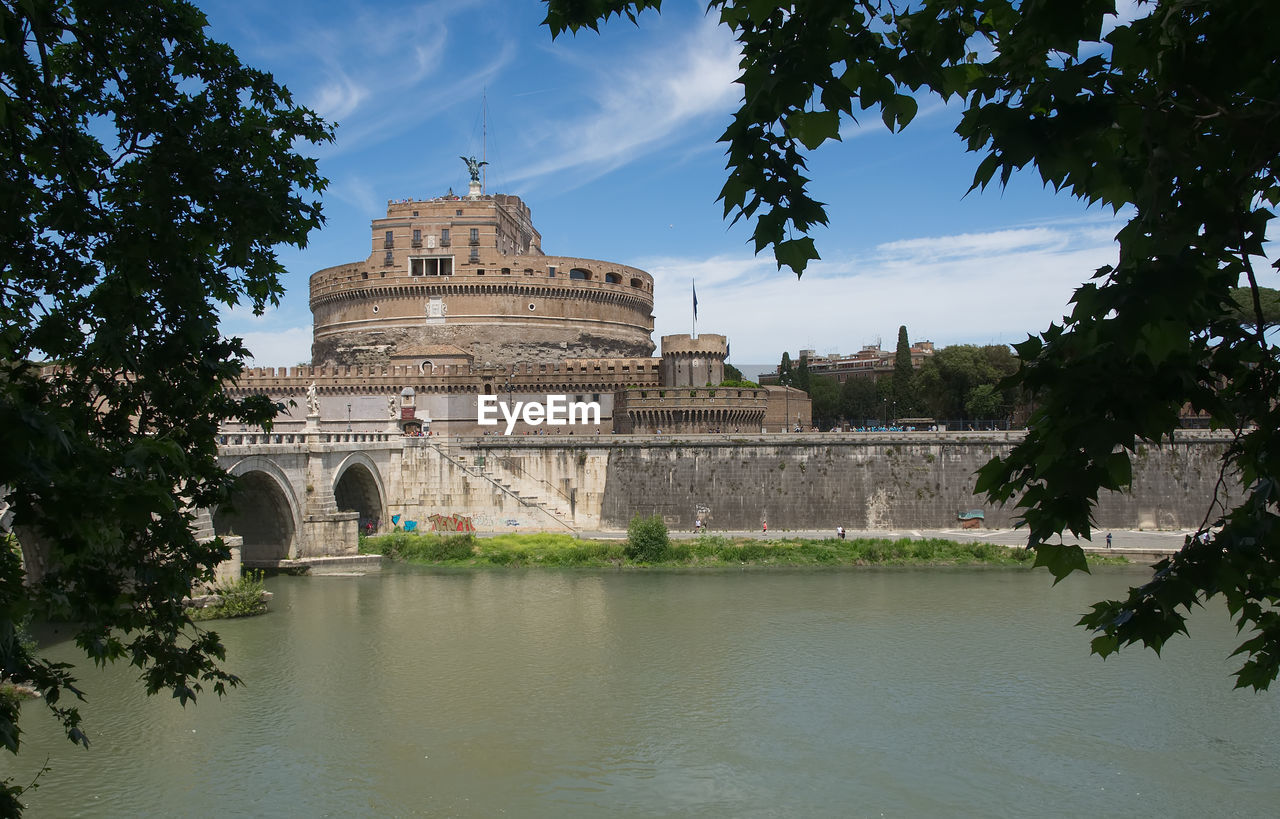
995, 287
640, 106
278, 348
933, 248
339, 97
379, 72
356, 190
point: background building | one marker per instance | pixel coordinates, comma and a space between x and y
869, 362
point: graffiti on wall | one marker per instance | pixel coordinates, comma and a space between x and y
451, 523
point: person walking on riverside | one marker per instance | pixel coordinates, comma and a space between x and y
1108, 540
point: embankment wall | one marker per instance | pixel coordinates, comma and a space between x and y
904, 481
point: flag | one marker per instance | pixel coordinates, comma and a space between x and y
695, 300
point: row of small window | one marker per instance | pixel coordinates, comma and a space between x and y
586, 275
428, 265
389, 239
443, 266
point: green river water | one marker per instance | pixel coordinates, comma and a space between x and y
944, 692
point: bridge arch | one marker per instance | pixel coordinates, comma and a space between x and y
358, 487
263, 511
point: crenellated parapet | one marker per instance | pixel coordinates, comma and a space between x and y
668, 409
689, 361
574, 374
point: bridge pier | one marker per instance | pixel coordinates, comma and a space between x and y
329, 534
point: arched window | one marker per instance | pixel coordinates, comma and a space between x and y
613, 278
579, 273
637, 283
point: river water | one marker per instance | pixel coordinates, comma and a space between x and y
754, 693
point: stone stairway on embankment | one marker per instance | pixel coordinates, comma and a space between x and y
525, 492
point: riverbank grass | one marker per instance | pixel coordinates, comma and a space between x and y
704, 551
244, 598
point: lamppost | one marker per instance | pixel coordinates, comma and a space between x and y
348, 417
509, 386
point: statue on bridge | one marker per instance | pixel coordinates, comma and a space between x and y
393, 411
313, 400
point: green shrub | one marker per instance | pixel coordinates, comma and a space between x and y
243, 598
647, 540
456, 547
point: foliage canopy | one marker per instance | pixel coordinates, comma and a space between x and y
148, 177
1173, 117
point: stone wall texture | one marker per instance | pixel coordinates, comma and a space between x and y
909, 483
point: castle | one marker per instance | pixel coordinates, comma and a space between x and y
458, 300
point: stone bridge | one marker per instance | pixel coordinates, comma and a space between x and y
307, 494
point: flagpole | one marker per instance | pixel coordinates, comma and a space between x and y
695, 307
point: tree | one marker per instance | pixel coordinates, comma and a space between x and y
983, 401
824, 392
904, 376
647, 539
785, 376
948, 377
148, 176
800, 378
1268, 305
1170, 116
859, 401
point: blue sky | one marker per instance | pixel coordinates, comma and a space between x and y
611, 140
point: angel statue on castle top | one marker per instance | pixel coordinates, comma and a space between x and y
473, 165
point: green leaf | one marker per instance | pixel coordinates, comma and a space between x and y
795, 254
1119, 471
814, 128
898, 110
1060, 559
